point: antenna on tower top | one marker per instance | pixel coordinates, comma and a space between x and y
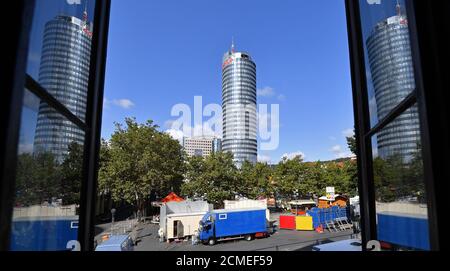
399, 8
85, 13
86, 29
232, 44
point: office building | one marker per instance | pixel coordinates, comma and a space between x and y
239, 106
217, 145
200, 146
64, 73
392, 72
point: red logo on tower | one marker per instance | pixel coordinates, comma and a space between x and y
227, 62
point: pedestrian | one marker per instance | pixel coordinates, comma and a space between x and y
194, 238
161, 235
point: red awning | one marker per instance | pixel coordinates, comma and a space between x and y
172, 197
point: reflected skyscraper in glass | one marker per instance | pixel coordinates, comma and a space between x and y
392, 73
239, 106
64, 72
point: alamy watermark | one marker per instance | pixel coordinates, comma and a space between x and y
256, 120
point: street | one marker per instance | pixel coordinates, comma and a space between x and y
281, 240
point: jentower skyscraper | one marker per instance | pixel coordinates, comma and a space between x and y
239, 106
392, 74
64, 72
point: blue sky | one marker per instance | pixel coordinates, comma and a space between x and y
165, 52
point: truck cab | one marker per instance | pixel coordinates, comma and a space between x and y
206, 228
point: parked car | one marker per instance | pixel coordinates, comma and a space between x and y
116, 243
345, 245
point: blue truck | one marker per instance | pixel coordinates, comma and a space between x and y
224, 224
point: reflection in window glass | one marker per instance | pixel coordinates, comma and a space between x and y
401, 208
390, 72
60, 50
48, 179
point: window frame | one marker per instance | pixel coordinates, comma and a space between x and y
14, 86
364, 131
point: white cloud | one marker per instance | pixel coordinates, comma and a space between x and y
76, 2
339, 152
269, 92
375, 152
336, 149
264, 158
281, 97
292, 155
348, 132
123, 103
176, 134
168, 124
25, 148
266, 92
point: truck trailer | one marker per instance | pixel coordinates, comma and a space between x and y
228, 224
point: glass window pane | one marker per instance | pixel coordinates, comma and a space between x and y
60, 49
389, 66
401, 204
48, 179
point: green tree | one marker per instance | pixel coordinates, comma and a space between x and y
38, 178
256, 180
351, 167
388, 177
290, 176
214, 178
139, 159
72, 175
351, 142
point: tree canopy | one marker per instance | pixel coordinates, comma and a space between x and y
140, 160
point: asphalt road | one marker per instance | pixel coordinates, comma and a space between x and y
282, 240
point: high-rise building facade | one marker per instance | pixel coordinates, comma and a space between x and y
217, 145
199, 146
239, 106
64, 72
392, 74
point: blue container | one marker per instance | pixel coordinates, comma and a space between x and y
405, 230
223, 223
43, 233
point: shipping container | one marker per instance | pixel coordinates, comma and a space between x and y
181, 219
43, 233
405, 230
182, 225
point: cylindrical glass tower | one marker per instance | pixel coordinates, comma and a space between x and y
239, 106
392, 73
64, 72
